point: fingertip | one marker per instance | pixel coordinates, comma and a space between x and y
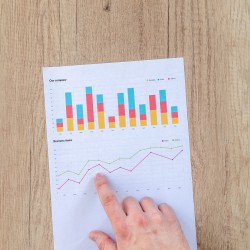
99, 176
102, 240
168, 211
166, 207
100, 180
92, 235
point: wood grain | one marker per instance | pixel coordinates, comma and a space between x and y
213, 37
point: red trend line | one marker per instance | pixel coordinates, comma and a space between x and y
125, 169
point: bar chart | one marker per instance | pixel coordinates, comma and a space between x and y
92, 115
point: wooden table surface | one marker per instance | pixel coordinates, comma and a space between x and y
213, 37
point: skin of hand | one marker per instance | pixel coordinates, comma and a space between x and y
137, 225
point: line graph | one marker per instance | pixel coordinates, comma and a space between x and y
120, 168
118, 159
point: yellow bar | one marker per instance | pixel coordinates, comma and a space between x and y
164, 118
101, 121
60, 129
112, 125
70, 124
175, 120
122, 121
132, 122
153, 116
80, 126
143, 122
91, 125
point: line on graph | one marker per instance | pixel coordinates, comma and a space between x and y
120, 168
118, 159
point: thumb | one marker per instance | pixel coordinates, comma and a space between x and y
102, 240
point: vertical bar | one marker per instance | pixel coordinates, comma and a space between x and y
143, 115
131, 105
90, 108
152, 105
80, 120
121, 110
174, 115
111, 121
100, 111
163, 107
69, 111
59, 125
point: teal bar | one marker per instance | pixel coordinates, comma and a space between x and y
88, 90
174, 109
99, 98
131, 99
79, 109
59, 120
68, 98
163, 97
120, 97
142, 108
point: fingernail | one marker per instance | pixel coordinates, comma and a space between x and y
98, 176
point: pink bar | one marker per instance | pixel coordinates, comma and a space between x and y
121, 109
111, 119
132, 113
174, 115
69, 111
59, 125
143, 117
164, 107
152, 102
100, 107
80, 121
90, 108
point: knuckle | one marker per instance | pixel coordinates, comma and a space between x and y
122, 230
108, 199
157, 218
102, 245
141, 221
101, 184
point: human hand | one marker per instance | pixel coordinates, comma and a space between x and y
137, 225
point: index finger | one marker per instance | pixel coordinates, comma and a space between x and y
109, 201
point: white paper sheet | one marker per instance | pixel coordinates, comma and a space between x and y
149, 159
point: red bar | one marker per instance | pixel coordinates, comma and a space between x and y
100, 107
152, 102
80, 121
175, 115
132, 113
164, 107
111, 119
121, 109
143, 117
90, 108
69, 111
59, 125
